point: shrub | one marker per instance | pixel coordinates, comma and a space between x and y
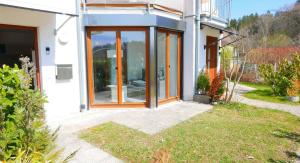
226, 56
22, 123
281, 79
217, 87
293, 90
203, 83
221, 89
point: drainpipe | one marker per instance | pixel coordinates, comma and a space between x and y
197, 41
229, 12
148, 7
81, 60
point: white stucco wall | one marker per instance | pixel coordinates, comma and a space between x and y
97, 10
63, 96
189, 55
189, 51
61, 6
207, 31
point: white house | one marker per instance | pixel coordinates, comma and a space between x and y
98, 54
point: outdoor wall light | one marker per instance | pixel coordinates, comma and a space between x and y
47, 50
201, 27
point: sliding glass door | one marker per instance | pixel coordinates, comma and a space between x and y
168, 65
133, 66
117, 66
161, 65
104, 67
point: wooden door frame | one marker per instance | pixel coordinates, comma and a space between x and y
36, 47
179, 51
118, 31
208, 69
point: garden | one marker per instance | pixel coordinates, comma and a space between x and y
230, 133
24, 136
280, 85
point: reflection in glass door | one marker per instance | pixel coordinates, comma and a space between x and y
161, 64
117, 66
168, 68
173, 68
133, 66
104, 67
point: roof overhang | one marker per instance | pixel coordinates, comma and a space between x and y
13, 4
222, 29
132, 20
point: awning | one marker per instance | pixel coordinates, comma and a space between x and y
222, 29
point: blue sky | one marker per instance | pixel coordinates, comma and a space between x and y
246, 7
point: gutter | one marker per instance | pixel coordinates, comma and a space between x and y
81, 61
197, 42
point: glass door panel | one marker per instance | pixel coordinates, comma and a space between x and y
173, 65
161, 64
104, 67
133, 45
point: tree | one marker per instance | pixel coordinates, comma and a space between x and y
233, 73
279, 40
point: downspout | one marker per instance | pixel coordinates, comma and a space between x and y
148, 7
81, 59
197, 41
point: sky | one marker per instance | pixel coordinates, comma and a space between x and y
246, 7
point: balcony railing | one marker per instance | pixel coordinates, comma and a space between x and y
172, 4
219, 9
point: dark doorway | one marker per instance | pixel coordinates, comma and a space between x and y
17, 42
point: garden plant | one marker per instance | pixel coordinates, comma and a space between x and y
203, 84
283, 77
24, 136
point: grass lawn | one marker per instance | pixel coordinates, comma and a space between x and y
230, 133
264, 92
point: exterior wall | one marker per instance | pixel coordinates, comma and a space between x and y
189, 44
63, 96
174, 4
202, 58
214, 21
61, 6
97, 10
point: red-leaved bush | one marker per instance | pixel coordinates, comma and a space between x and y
217, 84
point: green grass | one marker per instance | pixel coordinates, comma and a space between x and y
230, 133
264, 93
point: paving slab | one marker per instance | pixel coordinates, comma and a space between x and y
154, 121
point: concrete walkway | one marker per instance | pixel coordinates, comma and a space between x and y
145, 120
240, 90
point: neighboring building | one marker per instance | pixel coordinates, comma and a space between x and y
114, 53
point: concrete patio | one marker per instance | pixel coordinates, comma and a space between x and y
145, 120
